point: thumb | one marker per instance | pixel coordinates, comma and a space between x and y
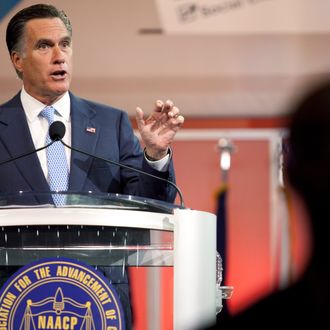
139, 116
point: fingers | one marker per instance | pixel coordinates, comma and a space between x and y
165, 107
180, 120
165, 113
159, 106
174, 123
174, 112
168, 108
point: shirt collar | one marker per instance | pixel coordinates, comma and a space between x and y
32, 106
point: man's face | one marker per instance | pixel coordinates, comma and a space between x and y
46, 59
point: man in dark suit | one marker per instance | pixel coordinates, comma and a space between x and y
40, 46
39, 41
305, 303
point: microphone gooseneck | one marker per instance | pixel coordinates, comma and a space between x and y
56, 133
27, 153
130, 168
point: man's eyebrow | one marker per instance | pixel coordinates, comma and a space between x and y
44, 41
50, 41
67, 38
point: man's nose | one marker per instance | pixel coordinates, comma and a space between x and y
58, 55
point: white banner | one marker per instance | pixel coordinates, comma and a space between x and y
244, 16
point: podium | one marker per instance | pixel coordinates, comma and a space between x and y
119, 230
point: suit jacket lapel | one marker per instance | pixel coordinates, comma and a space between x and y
15, 135
85, 133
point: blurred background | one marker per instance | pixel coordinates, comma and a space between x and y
233, 67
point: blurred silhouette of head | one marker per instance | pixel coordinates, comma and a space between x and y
308, 164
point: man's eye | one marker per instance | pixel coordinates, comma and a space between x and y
43, 46
66, 43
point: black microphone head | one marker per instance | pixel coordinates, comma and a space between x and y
56, 130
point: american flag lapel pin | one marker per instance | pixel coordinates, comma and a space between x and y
90, 129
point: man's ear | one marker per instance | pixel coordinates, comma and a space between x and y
17, 61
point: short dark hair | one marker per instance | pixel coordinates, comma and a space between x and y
16, 26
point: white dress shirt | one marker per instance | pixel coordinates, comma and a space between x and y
39, 126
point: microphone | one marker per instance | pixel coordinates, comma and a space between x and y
56, 133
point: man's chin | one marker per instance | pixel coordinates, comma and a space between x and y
53, 94
60, 86
60, 89
60, 92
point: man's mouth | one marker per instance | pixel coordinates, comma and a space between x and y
59, 74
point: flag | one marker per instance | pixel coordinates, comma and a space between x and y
221, 198
91, 129
6, 6
221, 225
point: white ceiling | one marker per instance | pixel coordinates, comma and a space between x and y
122, 58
